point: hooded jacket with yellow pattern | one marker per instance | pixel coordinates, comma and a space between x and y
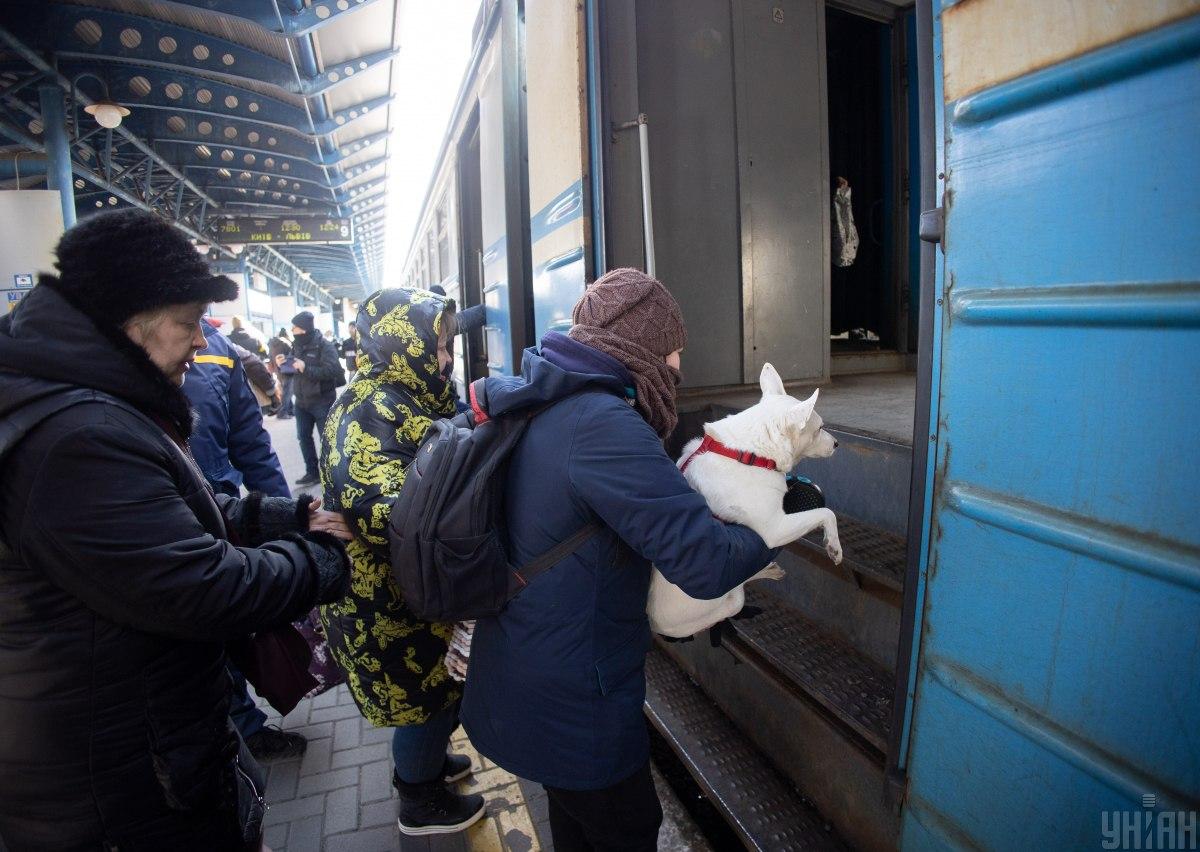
394, 662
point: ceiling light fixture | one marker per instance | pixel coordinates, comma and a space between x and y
107, 113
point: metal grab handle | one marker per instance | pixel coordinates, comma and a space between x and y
647, 209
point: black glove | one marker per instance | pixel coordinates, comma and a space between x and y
332, 566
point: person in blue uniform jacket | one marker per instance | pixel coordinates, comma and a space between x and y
232, 448
230, 444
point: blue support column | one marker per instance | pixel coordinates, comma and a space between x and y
58, 149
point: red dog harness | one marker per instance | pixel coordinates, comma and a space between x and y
712, 445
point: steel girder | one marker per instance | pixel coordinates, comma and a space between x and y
146, 87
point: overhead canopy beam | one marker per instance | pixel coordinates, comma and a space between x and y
296, 18
161, 88
189, 51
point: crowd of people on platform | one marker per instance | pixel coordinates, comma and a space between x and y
153, 560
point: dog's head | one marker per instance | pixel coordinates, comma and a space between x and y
791, 427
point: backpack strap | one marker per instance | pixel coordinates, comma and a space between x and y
477, 395
531, 570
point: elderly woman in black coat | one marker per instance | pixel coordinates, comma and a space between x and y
122, 576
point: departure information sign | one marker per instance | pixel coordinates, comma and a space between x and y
284, 230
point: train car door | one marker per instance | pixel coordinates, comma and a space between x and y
733, 93
1057, 702
470, 240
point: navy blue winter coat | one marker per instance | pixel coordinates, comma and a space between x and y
556, 682
229, 442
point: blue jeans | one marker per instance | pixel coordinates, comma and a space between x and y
246, 716
288, 407
308, 416
420, 750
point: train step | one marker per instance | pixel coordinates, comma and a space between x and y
762, 807
868, 553
854, 692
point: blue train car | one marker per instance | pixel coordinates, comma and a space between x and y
1008, 657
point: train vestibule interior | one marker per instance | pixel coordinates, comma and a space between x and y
871, 105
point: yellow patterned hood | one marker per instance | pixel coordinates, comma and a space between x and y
398, 331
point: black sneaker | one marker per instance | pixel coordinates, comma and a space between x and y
274, 744
308, 479
456, 768
433, 808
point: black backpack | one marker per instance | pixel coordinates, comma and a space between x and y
448, 523
340, 379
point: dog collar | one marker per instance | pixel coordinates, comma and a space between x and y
712, 445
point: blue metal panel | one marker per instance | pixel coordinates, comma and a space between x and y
559, 281
1059, 647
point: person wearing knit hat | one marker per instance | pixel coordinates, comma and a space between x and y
634, 318
124, 577
316, 377
556, 680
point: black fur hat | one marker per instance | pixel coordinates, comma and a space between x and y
114, 265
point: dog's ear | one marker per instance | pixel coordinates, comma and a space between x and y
770, 382
800, 413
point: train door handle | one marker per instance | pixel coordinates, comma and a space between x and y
641, 123
933, 225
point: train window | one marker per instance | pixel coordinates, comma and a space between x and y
443, 238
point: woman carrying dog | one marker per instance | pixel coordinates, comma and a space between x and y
122, 576
556, 681
394, 662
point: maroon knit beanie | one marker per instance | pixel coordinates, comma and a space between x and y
632, 317
636, 307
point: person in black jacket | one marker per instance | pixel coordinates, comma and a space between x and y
318, 375
279, 345
122, 576
245, 338
350, 350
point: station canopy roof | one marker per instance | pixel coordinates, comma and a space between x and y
237, 109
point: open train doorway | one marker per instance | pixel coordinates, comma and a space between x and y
871, 110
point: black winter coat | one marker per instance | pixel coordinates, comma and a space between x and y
317, 385
248, 342
118, 590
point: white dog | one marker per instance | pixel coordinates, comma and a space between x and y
740, 467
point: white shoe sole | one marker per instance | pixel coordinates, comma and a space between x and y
460, 776
442, 829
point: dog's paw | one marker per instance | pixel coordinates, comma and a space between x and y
833, 547
771, 572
